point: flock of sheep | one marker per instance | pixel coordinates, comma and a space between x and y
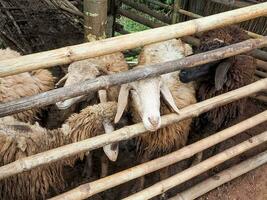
140, 101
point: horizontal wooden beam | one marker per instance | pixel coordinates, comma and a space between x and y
98, 48
222, 177
103, 82
198, 169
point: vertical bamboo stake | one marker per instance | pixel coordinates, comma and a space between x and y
176, 8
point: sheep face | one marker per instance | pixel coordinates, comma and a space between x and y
146, 93
78, 72
145, 96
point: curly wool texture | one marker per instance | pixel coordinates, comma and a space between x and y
90, 68
240, 74
23, 85
19, 140
174, 136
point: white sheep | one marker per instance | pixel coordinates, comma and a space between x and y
146, 104
23, 85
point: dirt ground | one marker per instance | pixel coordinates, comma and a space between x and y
250, 186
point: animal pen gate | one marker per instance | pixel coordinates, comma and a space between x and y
130, 41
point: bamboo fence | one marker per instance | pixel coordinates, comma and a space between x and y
198, 169
222, 177
103, 184
28, 163
103, 82
107, 46
88, 50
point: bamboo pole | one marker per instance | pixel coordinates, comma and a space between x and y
261, 98
102, 82
88, 50
143, 8
262, 65
159, 163
198, 169
192, 15
235, 3
28, 163
261, 74
222, 177
184, 12
140, 19
260, 54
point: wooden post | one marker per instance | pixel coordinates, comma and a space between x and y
102, 82
222, 178
200, 168
176, 8
95, 19
128, 132
130, 41
95, 26
101, 185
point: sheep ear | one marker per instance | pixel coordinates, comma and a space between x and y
166, 93
188, 50
122, 101
62, 80
221, 74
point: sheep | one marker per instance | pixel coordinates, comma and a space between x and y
19, 140
22, 85
145, 104
88, 69
225, 75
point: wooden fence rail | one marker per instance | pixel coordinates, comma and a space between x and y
28, 163
88, 50
103, 82
119, 178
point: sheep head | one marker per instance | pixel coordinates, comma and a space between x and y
145, 94
77, 72
216, 70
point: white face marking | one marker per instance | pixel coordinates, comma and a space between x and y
146, 98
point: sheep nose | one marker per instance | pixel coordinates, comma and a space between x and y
154, 121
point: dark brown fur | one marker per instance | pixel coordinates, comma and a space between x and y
240, 74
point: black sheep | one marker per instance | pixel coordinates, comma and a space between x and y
220, 77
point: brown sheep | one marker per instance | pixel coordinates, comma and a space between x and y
226, 75
90, 68
22, 85
146, 106
19, 140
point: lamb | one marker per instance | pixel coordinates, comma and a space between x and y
146, 106
22, 85
220, 77
19, 140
